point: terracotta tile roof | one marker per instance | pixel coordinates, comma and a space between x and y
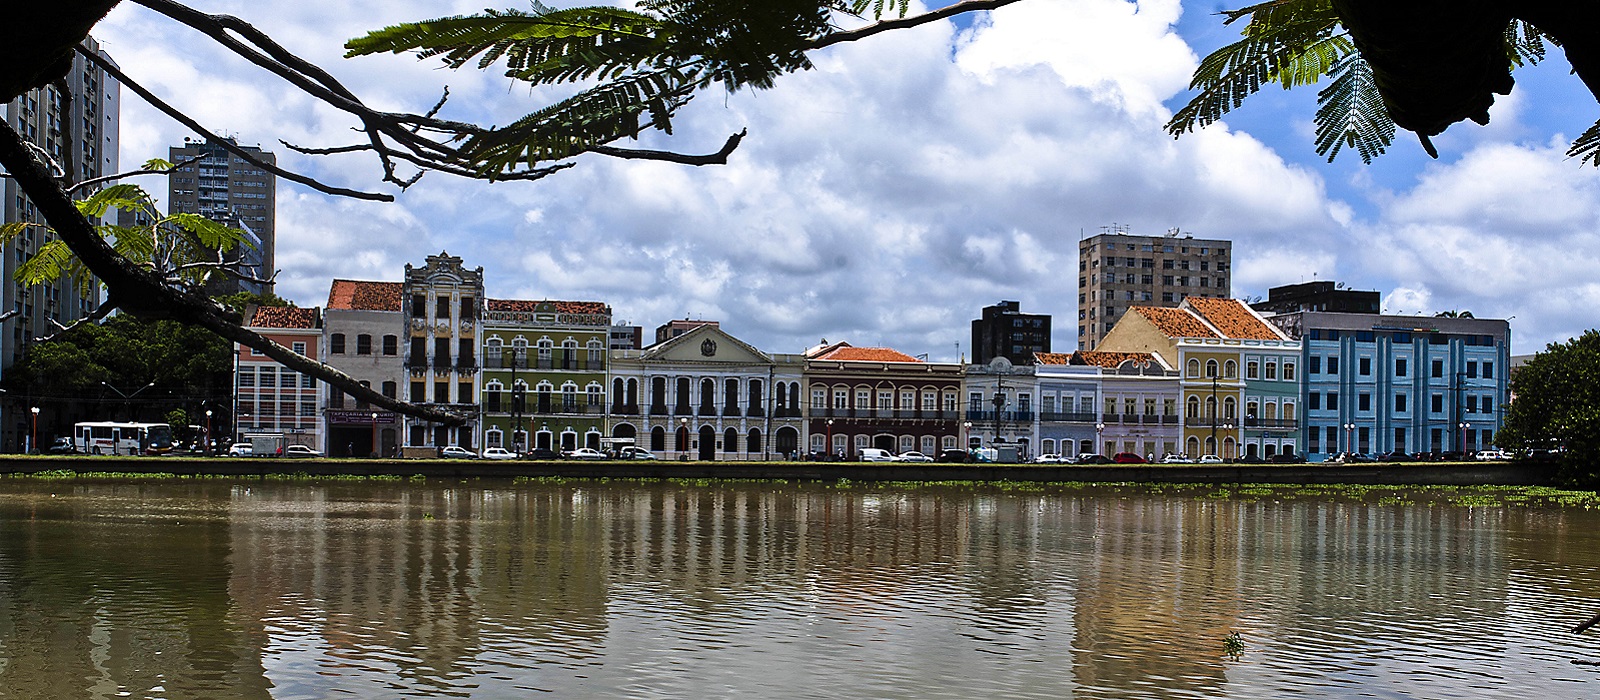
848, 354
283, 317
1232, 318
357, 295
1175, 323
1052, 358
565, 307
1112, 360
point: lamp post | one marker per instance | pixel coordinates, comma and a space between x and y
966, 435
207, 449
374, 433
1349, 440
1461, 435
1099, 433
683, 437
33, 444
1227, 427
828, 448
127, 399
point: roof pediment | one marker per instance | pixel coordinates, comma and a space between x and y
705, 344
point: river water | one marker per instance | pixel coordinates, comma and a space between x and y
493, 589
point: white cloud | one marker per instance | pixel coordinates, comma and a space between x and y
885, 196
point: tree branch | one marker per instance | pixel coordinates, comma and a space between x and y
718, 158
131, 173
145, 294
906, 22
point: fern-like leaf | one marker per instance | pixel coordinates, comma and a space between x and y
1587, 147
47, 265
210, 234
1351, 113
126, 197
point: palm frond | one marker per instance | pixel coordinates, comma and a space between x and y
1292, 42
1587, 147
1351, 113
595, 116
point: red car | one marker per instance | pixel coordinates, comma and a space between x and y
1128, 458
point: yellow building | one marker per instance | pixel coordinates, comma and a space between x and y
1206, 339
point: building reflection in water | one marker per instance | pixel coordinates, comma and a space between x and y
637, 588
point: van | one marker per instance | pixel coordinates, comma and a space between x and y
873, 454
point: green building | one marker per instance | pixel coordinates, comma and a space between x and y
544, 373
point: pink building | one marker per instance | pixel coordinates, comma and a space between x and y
272, 398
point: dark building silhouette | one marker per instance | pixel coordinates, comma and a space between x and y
1004, 331
1317, 296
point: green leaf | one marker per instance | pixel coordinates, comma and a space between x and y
126, 197
210, 234
47, 265
1587, 147
1351, 113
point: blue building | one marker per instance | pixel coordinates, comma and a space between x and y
1375, 383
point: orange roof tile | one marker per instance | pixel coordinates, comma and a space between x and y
866, 355
1232, 318
284, 317
357, 295
1111, 360
1175, 323
565, 307
1052, 358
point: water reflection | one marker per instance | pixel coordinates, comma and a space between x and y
297, 590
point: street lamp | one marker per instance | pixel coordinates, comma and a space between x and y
966, 434
127, 399
683, 437
1461, 435
207, 449
374, 433
828, 448
1227, 427
1099, 432
1349, 441
33, 445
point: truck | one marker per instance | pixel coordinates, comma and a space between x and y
266, 444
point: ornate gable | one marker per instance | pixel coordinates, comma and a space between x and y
705, 344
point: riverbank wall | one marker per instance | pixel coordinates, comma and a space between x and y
1420, 473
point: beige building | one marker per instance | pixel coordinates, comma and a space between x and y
1117, 270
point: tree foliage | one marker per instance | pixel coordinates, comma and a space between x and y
1301, 42
1557, 404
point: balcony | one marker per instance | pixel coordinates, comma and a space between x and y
441, 362
466, 366
1068, 417
1272, 423
628, 409
658, 410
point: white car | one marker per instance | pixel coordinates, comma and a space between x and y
457, 452
636, 453
1493, 456
1210, 459
1177, 459
301, 451
1049, 459
498, 453
873, 454
913, 457
241, 449
586, 453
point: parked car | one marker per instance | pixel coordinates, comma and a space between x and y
241, 449
457, 452
913, 457
1092, 458
1210, 459
1287, 458
873, 454
631, 452
955, 456
541, 453
589, 453
1128, 458
498, 453
1351, 458
1049, 459
1493, 456
61, 446
1396, 456
1177, 459
300, 451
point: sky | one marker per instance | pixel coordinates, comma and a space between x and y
906, 182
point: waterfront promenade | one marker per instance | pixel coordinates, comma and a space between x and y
1429, 473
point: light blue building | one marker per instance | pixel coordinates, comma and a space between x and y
1375, 383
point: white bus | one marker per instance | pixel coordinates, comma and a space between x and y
109, 438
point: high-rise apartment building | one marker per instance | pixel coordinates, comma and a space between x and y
1004, 331
231, 190
78, 131
1117, 270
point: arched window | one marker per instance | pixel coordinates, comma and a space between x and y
708, 397
616, 394
1194, 367
1230, 369
363, 344
1211, 368
1192, 410
1230, 408
658, 439
390, 389
1252, 411
730, 440
1211, 407
753, 442
391, 345
336, 343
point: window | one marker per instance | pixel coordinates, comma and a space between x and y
1399, 403
1333, 401
1333, 365
1364, 402
1472, 370
1399, 366
308, 382
1211, 368
1316, 364
1194, 368
247, 377
417, 394
1288, 371
1365, 366
363, 344
464, 393
391, 345
287, 379
1488, 404
1272, 370
1438, 403
299, 348
336, 344
1472, 404
441, 310
1314, 401
1230, 369
1488, 370
390, 389
1252, 370
441, 392
1438, 369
